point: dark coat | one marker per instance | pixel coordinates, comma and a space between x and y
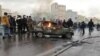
64, 24
69, 23
12, 21
90, 24
83, 25
19, 22
24, 20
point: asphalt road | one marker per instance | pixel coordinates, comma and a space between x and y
90, 47
26, 45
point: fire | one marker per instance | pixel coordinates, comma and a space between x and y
49, 25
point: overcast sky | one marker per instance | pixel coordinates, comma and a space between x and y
84, 7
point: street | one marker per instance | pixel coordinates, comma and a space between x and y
27, 46
88, 47
91, 47
31, 46
49, 28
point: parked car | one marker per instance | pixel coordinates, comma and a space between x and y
51, 29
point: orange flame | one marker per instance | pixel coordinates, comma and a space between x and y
49, 25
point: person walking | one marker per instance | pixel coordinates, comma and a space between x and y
90, 26
5, 23
82, 27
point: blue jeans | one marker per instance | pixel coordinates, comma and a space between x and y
6, 30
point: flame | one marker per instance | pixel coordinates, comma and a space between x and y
49, 25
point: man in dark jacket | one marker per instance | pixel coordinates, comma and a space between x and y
12, 24
64, 24
19, 23
69, 23
82, 26
24, 24
90, 26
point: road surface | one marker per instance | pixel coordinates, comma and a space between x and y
29, 46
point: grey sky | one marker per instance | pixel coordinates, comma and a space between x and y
83, 7
23, 6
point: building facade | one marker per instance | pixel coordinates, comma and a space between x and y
71, 14
58, 11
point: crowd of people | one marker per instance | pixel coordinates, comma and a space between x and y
78, 25
13, 24
22, 24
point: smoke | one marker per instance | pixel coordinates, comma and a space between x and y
42, 5
47, 1
42, 8
94, 12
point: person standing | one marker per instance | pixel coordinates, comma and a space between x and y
12, 24
90, 26
19, 23
64, 24
5, 23
70, 23
30, 24
24, 24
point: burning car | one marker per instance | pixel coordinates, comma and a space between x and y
51, 29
